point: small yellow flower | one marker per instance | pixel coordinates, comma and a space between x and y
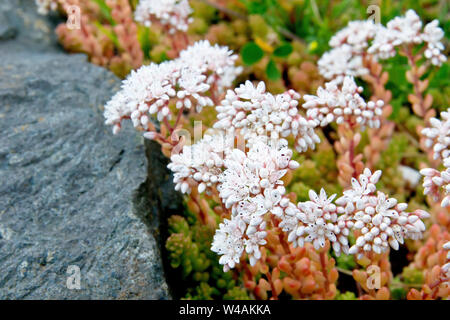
313, 46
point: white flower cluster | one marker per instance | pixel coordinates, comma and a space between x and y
259, 114
432, 35
171, 13
216, 62
340, 62
350, 44
44, 6
187, 80
200, 164
357, 35
251, 187
379, 221
438, 137
408, 30
435, 180
342, 103
315, 221
398, 31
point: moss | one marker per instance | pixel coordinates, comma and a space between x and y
347, 295
189, 247
346, 262
236, 293
258, 26
412, 276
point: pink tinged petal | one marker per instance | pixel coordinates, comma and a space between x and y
313, 196
355, 184
343, 240
375, 177
360, 241
336, 247
445, 202
353, 250
394, 244
292, 236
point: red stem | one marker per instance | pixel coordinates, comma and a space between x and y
323, 263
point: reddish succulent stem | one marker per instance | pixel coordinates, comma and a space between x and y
435, 287
283, 242
166, 122
180, 114
352, 156
412, 59
323, 256
203, 215
269, 279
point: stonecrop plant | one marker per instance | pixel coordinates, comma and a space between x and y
297, 171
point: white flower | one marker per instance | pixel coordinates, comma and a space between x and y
438, 135
315, 221
432, 35
149, 90
229, 242
200, 164
216, 62
322, 201
250, 185
350, 44
346, 56
360, 190
340, 62
260, 115
342, 103
383, 223
44, 6
171, 13
398, 31
434, 180
257, 172
356, 35
406, 30
253, 243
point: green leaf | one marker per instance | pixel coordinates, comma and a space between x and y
144, 40
283, 51
105, 11
109, 33
272, 71
251, 53
396, 106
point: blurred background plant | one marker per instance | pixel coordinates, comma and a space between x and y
280, 43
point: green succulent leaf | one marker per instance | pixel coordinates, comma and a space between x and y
251, 53
283, 51
272, 71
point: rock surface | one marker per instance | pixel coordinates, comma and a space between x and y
72, 196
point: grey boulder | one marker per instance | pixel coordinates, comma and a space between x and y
79, 208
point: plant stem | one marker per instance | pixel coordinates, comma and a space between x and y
323, 257
269, 279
